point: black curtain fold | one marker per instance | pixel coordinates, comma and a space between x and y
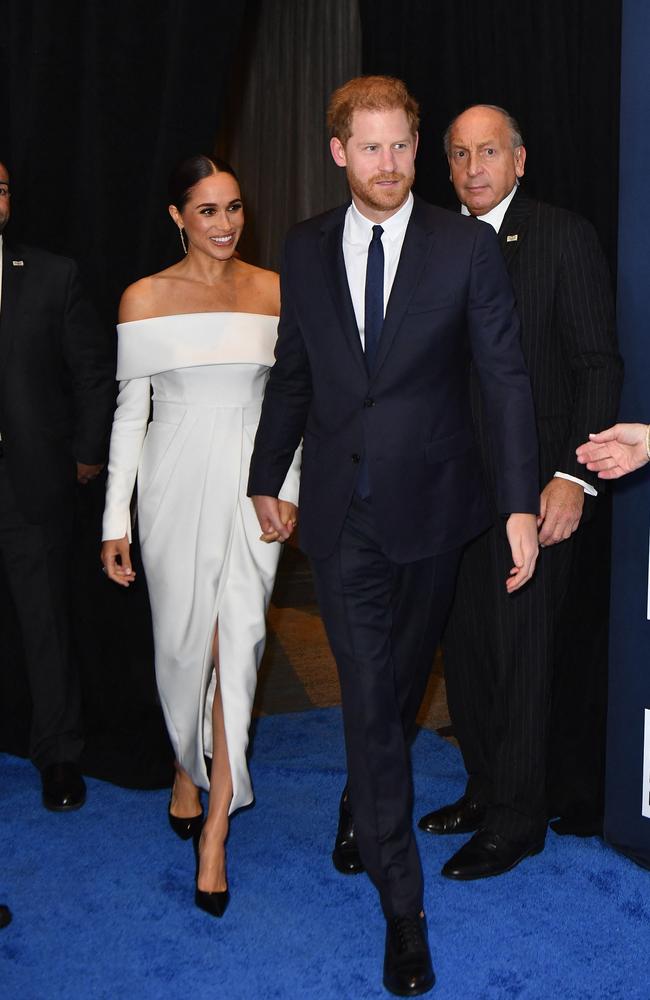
555, 65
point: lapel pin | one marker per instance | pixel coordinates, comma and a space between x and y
18, 263
512, 238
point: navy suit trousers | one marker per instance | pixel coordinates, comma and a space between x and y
383, 621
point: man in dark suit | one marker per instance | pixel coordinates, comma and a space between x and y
499, 649
56, 400
384, 303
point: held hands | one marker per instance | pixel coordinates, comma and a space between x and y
277, 518
116, 560
560, 509
521, 530
616, 451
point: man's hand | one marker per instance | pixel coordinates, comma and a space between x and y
117, 561
521, 530
615, 452
87, 472
277, 518
560, 509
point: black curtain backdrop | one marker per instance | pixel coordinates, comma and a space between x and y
98, 101
554, 64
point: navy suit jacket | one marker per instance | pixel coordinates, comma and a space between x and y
451, 303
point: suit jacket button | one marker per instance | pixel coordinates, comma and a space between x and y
368, 402
356, 458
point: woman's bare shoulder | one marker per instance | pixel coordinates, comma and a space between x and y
264, 288
145, 298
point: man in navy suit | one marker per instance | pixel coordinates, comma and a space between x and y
385, 302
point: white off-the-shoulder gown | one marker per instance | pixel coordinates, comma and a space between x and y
199, 535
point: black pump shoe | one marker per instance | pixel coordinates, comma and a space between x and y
214, 903
185, 827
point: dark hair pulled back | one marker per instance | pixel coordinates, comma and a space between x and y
190, 171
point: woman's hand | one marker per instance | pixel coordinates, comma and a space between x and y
288, 514
116, 560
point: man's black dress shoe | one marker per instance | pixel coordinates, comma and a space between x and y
463, 816
487, 854
345, 856
407, 960
63, 787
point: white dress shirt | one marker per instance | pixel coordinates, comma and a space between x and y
357, 234
495, 218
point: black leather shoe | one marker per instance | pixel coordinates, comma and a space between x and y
5, 916
63, 787
185, 827
487, 854
214, 903
345, 856
463, 816
407, 960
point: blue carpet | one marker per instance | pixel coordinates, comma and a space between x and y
103, 908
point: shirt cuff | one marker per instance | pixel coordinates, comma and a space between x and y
587, 487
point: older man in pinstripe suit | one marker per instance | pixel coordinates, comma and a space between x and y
499, 648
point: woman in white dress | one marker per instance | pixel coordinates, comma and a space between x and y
201, 336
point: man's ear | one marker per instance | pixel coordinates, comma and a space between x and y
520, 159
337, 149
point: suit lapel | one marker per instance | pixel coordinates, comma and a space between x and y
415, 251
513, 228
12, 287
331, 247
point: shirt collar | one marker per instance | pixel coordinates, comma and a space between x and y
496, 215
360, 228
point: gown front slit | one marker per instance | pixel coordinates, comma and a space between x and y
205, 565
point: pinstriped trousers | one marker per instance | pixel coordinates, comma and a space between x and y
498, 654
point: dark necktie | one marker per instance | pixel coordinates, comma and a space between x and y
374, 301
373, 322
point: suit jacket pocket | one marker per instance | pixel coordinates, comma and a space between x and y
452, 446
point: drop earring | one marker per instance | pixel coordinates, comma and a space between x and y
180, 233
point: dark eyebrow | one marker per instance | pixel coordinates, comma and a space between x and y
210, 204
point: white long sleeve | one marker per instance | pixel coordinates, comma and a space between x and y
127, 437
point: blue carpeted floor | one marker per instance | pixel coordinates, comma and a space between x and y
103, 908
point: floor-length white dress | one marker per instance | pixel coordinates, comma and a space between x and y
199, 536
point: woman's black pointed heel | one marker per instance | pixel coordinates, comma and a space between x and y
185, 827
214, 903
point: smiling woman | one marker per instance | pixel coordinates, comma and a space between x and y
201, 334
